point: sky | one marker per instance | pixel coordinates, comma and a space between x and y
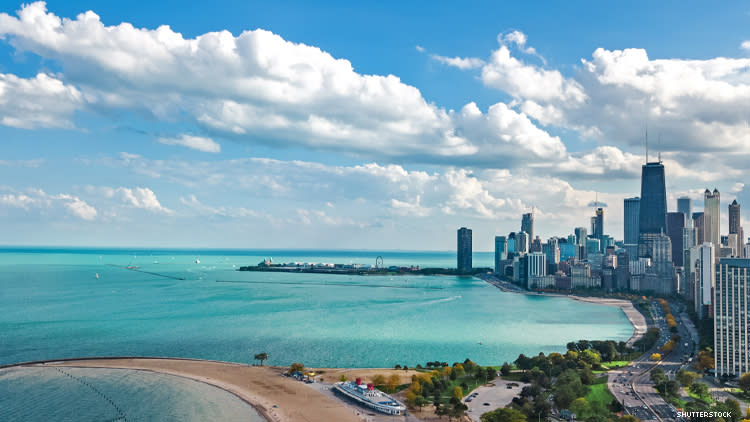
380, 125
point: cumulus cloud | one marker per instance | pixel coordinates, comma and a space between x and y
43, 101
143, 198
745, 45
192, 202
39, 199
462, 63
193, 142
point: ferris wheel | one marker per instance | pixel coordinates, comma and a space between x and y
379, 263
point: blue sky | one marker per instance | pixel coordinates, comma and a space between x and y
380, 126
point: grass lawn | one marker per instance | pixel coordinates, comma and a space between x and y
599, 393
615, 364
708, 399
513, 376
736, 392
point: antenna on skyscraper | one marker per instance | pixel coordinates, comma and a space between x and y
659, 147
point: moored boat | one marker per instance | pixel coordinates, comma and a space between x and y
369, 396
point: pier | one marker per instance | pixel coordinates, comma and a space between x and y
291, 283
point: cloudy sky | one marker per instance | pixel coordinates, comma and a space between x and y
371, 126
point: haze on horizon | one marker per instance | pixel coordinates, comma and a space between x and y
383, 126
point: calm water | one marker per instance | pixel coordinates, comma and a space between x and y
53, 306
88, 394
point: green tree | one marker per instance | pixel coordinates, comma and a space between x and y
458, 393
699, 389
505, 369
296, 367
580, 407
744, 382
378, 380
686, 378
261, 357
504, 414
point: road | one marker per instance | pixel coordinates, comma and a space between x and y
632, 384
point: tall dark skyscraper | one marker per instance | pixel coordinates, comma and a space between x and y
653, 211
597, 224
653, 208
527, 225
685, 206
464, 250
675, 224
632, 211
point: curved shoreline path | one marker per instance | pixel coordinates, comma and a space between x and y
277, 398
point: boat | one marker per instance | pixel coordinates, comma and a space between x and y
369, 396
197, 261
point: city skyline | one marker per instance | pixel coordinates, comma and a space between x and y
245, 129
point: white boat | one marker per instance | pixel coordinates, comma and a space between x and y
197, 261
369, 396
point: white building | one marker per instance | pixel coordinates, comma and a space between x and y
731, 311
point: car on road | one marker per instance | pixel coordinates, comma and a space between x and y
484, 404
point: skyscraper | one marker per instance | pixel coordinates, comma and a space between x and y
734, 226
464, 250
527, 225
501, 252
522, 242
580, 236
653, 207
699, 224
675, 224
712, 219
597, 224
685, 206
632, 211
732, 296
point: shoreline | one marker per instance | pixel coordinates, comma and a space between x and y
636, 318
272, 396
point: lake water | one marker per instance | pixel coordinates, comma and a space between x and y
54, 306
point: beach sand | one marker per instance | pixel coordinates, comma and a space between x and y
262, 387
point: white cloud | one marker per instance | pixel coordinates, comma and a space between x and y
463, 63
42, 101
745, 45
38, 199
193, 142
193, 203
420, 48
143, 198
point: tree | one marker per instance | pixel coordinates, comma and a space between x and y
580, 407
458, 393
505, 369
393, 381
655, 356
296, 367
378, 380
686, 378
744, 382
421, 402
504, 414
699, 389
261, 357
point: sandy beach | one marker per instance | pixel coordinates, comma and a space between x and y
277, 398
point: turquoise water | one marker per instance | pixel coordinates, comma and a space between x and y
53, 306
98, 394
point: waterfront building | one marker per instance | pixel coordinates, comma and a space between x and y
536, 245
522, 242
685, 206
730, 311
536, 266
527, 225
734, 227
581, 236
653, 205
464, 251
597, 223
660, 276
580, 277
501, 253
568, 250
632, 211
512, 242
712, 219
622, 271
552, 250
704, 279
675, 226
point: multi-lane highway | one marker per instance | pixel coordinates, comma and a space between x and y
632, 384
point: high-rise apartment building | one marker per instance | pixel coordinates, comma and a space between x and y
581, 235
731, 310
704, 279
597, 224
632, 211
712, 219
699, 220
527, 225
522, 242
501, 252
675, 225
464, 250
734, 227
